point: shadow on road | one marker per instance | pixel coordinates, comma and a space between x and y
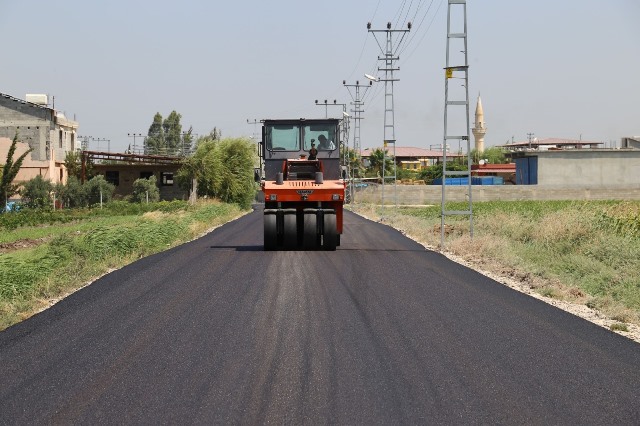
238, 248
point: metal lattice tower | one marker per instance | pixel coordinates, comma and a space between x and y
389, 56
357, 116
357, 111
456, 70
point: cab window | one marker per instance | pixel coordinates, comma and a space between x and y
323, 135
283, 137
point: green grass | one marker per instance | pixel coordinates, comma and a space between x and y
74, 253
593, 246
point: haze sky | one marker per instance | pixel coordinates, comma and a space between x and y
555, 68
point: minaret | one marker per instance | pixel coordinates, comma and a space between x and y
479, 129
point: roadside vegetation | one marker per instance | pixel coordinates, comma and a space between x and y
587, 252
57, 238
50, 254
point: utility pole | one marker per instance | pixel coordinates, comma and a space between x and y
357, 116
389, 56
345, 128
108, 141
84, 145
255, 122
134, 136
326, 109
335, 103
530, 138
457, 67
357, 111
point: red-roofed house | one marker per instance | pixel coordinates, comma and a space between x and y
505, 171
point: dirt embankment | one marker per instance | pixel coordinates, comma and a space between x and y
26, 243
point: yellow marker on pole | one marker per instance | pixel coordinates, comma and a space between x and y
449, 72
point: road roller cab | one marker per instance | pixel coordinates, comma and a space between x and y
302, 184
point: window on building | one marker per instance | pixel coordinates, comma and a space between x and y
73, 141
112, 176
167, 179
60, 137
145, 175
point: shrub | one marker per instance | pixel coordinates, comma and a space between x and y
73, 194
224, 169
99, 189
435, 171
145, 190
36, 193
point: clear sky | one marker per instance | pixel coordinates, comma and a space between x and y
556, 68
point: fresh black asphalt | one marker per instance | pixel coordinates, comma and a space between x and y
381, 331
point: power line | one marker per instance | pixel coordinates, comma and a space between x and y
425, 33
418, 28
399, 13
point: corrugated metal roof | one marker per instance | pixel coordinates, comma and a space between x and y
550, 141
410, 152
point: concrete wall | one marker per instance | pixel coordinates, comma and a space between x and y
630, 142
589, 168
38, 126
432, 194
33, 124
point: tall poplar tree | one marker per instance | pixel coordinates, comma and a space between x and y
155, 142
172, 133
10, 171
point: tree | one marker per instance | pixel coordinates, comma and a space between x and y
215, 134
172, 130
145, 190
375, 163
98, 189
357, 170
73, 163
10, 171
435, 171
155, 143
223, 169
187, 141
73, 194
233, 181
493, 155
36, 193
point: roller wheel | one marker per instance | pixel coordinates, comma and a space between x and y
310, 236
290, 237
330, 237
270, 232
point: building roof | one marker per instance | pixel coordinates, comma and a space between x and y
557, 142
494, 168
410, 152
22, 101
56, 115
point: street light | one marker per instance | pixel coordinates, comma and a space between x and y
372, 78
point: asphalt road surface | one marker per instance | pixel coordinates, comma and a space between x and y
380, 331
